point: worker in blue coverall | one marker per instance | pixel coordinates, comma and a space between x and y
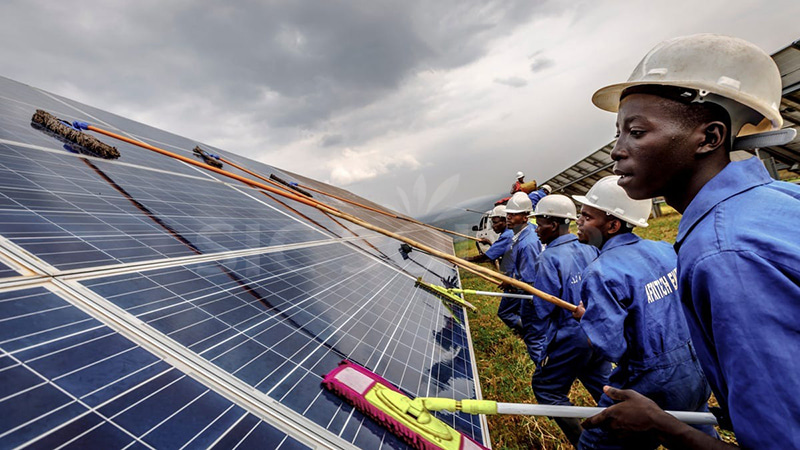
738, 248
634, 316
525, 247
500, 253
566, 353
539, 194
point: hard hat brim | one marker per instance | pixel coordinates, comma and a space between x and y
608, 98
585, 201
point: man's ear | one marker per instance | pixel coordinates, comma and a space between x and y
613, 226
713, 137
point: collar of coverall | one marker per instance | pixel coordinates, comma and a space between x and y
735, 178
620, 240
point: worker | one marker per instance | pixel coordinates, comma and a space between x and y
539, 194
566, 353
678, 117
525, 248
517, 186
634, 316
500, 252
500, 246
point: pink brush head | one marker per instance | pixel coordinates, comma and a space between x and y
353, 382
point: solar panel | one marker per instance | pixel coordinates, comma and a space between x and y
69, 379
147, 303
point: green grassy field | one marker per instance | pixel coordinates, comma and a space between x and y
505, 369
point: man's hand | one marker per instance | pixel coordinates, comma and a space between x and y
637, 413
485, 241
476, 258
634, 413
579, 311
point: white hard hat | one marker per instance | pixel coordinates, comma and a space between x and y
520, 175
556, 205
606, 195
547, 188
728, 71
498, 211
519, 203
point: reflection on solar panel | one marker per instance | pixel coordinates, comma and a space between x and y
147, 303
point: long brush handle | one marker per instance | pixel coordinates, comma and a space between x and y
581, 412
324, 208
491, 407
395, 216
491, 294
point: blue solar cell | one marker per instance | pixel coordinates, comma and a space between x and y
126, 214
88, 385
280, 320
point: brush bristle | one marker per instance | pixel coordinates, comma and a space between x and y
86, 142
357, 400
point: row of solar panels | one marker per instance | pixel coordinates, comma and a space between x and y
146, 303
578, 178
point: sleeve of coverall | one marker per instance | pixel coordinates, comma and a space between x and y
604, 319
749, 314
527, 263
547, 278
499, 247
533, 323
532, 330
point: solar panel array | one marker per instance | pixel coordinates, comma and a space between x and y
147, 303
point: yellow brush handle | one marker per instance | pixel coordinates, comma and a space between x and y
468, 406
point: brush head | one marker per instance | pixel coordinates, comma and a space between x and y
444, 295
207, 158
380, 400
77, 139
291, 185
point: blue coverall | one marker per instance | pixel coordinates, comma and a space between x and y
739, 277
508, 310
564, 353
535, 196
634, 318
525, 247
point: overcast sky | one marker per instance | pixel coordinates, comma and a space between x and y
417, 105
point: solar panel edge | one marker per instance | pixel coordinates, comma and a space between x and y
26, 262
478, 392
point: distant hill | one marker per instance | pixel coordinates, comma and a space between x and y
458, 218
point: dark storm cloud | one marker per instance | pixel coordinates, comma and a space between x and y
285, 63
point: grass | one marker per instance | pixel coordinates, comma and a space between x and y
505, 369
505, 372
